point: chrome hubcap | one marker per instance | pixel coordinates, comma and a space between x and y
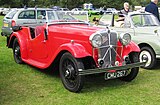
67, 73
146, 53
17, 51
70, 72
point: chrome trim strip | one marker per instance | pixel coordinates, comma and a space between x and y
157, 56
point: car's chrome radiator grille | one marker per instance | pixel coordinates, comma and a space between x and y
107, 52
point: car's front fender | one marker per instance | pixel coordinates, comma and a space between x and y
77, 50
132, 47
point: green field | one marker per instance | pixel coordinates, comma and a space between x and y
26, 85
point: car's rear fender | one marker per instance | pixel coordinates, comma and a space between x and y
22, 39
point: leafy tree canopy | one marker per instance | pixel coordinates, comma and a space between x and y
118, 4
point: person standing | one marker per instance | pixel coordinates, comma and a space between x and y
126, 8
123, 12
153, 8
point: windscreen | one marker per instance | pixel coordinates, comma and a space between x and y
58, 16
11, 14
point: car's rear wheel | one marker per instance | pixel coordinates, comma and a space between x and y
17, 52
69, 72
132, 73
151, 57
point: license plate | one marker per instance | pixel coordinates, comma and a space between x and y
5, 25
113, 75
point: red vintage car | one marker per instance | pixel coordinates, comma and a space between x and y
78, 48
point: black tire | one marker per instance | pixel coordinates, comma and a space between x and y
132, 73
17, 52
151, 57
69, 72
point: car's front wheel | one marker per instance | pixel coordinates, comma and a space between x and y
132, 73
69, 72
151, 57
17, 52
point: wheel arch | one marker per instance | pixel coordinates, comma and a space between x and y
76, 49
146, 45
22, 42
88, 61
10, 43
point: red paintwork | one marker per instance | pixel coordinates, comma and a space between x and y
41, 53
125, 50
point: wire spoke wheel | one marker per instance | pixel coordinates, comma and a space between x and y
69, 72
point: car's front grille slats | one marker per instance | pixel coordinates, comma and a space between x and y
107, 51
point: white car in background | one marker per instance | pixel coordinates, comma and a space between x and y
111, 10
78, 11
1, 10
144, 28
65, 10
4, 11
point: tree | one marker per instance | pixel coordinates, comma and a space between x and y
118, 4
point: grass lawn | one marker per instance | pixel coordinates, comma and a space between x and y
26, 85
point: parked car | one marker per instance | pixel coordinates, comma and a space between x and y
78, 11
93, 12
5, 11
112, 10
64, 10
1, 10
77, 48
144, 29
55, 8
81, 17
23, 17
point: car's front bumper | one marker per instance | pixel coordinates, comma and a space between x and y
104, 70
158, 56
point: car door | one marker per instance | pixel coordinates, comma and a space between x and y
142, 29
38, 45
27, 18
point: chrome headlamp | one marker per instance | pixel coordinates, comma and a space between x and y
125, 38
96, 40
